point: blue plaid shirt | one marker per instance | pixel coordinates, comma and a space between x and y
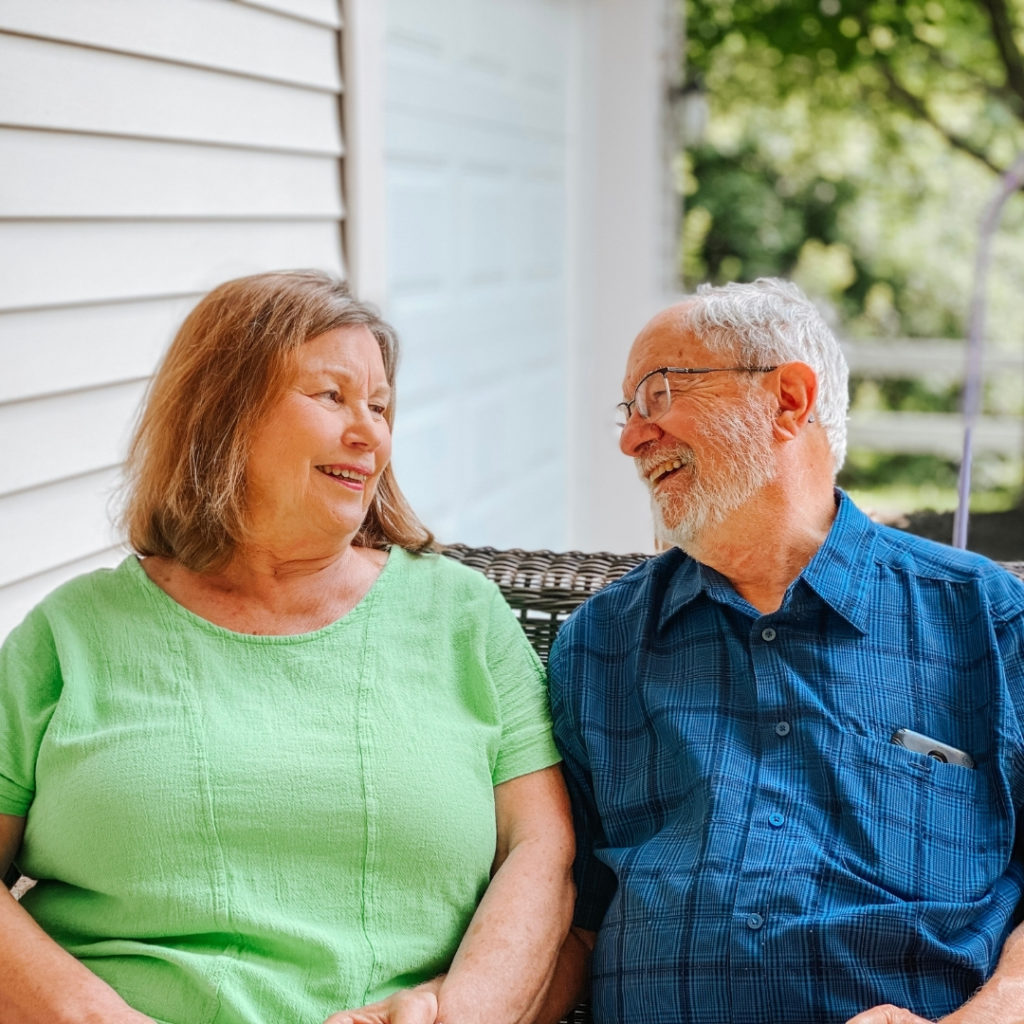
753, 847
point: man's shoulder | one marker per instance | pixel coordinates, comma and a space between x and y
907, 554
922, 556
633, 589
616, 613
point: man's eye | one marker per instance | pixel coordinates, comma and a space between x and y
678, 388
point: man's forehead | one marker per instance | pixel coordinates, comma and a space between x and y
664, 341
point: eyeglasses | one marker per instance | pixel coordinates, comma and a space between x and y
653, 396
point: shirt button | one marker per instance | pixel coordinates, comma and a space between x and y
768, 634
754, 921
782, 728
776, 820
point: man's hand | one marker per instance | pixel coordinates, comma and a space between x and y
887, 1015
410, 1006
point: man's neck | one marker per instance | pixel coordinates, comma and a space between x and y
762, 548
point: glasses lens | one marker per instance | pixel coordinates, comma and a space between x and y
653, 397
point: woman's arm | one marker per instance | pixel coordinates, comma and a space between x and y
42, 983
506, 960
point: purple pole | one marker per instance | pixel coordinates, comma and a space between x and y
1009, 183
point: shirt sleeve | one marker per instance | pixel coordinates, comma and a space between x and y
520, 682
30, 686
595, 882
1008, 624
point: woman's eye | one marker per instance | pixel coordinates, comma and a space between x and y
378, 410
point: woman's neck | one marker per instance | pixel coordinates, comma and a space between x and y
259, 593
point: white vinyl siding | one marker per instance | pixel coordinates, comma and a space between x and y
151, 150
478, 149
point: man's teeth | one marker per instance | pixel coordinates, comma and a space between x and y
348, 474
666, 467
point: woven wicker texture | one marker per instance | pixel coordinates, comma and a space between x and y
543, 587
580, 1015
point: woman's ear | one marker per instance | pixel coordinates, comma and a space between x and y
796, 388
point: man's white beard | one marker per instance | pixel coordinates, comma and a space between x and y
744, 466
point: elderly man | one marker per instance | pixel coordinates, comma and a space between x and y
795, 740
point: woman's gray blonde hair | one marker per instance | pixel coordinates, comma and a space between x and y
185, 482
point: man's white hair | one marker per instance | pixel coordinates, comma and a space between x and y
768, 322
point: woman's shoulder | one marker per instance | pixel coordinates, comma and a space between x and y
436, 570
98, 586
79, 603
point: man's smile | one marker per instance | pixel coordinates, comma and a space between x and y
664, 468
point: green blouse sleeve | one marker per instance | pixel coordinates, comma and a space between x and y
30, 686
521, 685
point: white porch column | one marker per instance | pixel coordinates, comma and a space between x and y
625, 228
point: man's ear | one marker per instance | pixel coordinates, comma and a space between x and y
796, 388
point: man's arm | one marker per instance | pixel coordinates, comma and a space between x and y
999, 1001
570, 983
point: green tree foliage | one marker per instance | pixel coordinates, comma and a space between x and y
852, 145
955, 65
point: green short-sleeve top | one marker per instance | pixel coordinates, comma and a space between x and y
235, 829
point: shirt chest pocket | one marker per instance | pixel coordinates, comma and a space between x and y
917, 828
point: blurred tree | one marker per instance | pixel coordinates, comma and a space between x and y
955, 65
852, 146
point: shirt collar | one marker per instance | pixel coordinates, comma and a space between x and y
838, 573
681, 580
842, 568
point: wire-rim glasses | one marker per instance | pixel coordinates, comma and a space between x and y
652, 397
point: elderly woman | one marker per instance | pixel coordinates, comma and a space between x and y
284, 760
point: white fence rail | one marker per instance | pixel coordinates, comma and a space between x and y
940, 362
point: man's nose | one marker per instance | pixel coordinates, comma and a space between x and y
636, 433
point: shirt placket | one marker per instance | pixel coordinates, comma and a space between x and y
764, 854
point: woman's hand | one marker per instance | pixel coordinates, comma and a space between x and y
410, 1006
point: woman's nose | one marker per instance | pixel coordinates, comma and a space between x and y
364, 428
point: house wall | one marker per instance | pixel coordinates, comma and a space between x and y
151, 150
476, 154
626, 231
506, 208
527, 240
